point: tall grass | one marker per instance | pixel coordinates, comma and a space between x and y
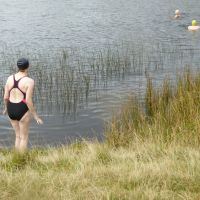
169, 114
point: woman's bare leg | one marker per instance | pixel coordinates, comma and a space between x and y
24, 125
15, 125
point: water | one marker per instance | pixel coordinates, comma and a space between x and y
44, 28
51, 25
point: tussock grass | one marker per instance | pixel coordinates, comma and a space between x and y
170, 114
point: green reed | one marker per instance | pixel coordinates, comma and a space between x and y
169, 114
66, 81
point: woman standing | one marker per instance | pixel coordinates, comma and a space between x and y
19, 105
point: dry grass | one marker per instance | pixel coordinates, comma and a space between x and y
96, 171
168, 115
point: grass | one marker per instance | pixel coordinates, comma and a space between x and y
96, 171
151, 152
169, 114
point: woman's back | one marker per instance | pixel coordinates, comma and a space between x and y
17, 86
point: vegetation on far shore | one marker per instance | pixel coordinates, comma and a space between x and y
151, 151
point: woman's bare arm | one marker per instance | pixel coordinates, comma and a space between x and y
5, 97
29, 102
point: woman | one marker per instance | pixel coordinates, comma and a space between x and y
19, 105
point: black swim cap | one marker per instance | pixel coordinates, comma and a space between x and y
23, 63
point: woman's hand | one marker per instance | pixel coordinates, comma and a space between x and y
5, 111
38, 120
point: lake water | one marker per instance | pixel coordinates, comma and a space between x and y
42, 29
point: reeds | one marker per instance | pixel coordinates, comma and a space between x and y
169, 114
67, 80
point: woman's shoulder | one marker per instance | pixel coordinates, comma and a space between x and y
29, 80
9, 78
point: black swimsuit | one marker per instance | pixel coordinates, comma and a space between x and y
17, 110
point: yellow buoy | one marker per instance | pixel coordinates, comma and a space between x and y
194, 26
194, 22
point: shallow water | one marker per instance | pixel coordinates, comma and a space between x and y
44, 28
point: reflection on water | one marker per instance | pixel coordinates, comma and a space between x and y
88, 56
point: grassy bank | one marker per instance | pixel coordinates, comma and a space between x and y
96, 171
151, 152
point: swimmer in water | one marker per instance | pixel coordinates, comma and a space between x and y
177, 14
194, 26
19, 105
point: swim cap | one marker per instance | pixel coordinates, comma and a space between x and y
194, 22
23, 63
177, 12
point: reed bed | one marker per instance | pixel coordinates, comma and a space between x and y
169, 114
66, 81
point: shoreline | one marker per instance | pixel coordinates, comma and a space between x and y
146, 155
